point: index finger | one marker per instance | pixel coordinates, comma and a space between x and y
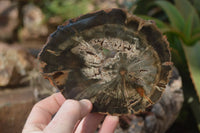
43, 111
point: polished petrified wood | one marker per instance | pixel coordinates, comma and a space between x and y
118, 61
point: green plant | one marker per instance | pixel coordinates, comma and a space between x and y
65, 8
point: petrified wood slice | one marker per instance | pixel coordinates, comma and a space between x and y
118, 61
161, 115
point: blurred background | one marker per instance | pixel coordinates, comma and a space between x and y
26, 24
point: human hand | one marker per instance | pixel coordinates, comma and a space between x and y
71, 116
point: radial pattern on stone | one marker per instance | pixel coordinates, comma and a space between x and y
118, 61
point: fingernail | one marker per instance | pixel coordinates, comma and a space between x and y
87, 103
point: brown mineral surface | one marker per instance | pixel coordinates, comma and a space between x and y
118, 61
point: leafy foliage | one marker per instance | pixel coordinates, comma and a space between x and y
65, 8
184, 20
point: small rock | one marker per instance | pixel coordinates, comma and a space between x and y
15, 62
8, 19
33, 23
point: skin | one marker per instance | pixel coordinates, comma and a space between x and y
70, 116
